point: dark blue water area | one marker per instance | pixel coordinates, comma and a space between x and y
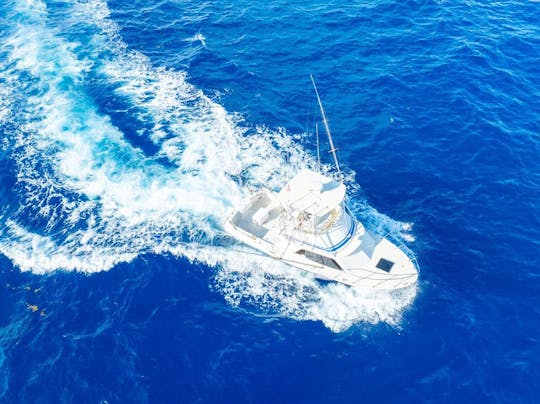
434, 105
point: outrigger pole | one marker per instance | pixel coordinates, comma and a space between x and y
325, 121
318, 151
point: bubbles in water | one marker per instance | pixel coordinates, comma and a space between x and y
88, 198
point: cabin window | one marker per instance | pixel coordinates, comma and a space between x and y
385, 265
320, 259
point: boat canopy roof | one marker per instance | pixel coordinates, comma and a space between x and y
312, 192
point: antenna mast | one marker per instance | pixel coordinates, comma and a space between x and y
318, 150
325, 121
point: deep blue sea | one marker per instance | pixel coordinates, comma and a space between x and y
129, 129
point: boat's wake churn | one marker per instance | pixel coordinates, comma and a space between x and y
110, 157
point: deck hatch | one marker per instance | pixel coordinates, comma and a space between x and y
385, 265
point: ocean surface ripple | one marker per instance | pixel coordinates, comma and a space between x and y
129, 129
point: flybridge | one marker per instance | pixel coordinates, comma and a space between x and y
313, 193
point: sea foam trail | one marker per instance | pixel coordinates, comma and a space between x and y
88, 198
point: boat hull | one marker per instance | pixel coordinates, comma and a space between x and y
365, 277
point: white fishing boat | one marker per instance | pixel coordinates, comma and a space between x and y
307, 224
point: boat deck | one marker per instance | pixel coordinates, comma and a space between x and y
257, 216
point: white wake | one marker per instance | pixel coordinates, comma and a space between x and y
96, 200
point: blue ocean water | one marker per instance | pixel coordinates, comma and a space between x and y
128, 129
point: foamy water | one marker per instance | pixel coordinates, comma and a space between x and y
97, 199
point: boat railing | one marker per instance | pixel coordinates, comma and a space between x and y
408, 252
399, 280
378, 275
